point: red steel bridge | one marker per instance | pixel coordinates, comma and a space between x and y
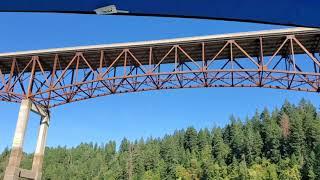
282, 59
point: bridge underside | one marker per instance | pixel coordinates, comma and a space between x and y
281, 59
286, 60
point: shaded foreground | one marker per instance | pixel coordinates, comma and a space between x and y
283, 144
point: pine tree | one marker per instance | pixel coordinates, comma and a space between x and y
253, 143
110, 150
237, 139
124, 146
285, 125
271, 134
152, 155
311, 124
203, 138
297, 137
308, 168
190, 139
220, 150
169, 153
317, 162
285, 130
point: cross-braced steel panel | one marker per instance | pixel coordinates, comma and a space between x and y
282, 60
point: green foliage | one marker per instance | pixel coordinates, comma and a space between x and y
190, 139
220, 150
4, 157
271, 132
283, 144
253, 143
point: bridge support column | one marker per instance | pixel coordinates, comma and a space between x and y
41, 145
13, 170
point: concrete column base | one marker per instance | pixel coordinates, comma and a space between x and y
12, 173
12, 170
37, 166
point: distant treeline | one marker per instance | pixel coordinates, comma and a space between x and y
282, 144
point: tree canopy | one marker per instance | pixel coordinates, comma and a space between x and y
282, 144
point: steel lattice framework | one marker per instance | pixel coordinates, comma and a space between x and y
281, 59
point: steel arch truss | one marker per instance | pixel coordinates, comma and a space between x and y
77, 78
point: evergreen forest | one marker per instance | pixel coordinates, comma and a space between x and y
280, 144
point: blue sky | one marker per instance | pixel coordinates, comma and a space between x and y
132, 115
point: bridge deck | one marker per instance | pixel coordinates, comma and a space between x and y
249, 41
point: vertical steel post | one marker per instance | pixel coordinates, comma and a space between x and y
12, 170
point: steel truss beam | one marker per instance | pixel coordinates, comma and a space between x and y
78, 77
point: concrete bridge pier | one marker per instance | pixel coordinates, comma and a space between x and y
41, 145
13, 170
